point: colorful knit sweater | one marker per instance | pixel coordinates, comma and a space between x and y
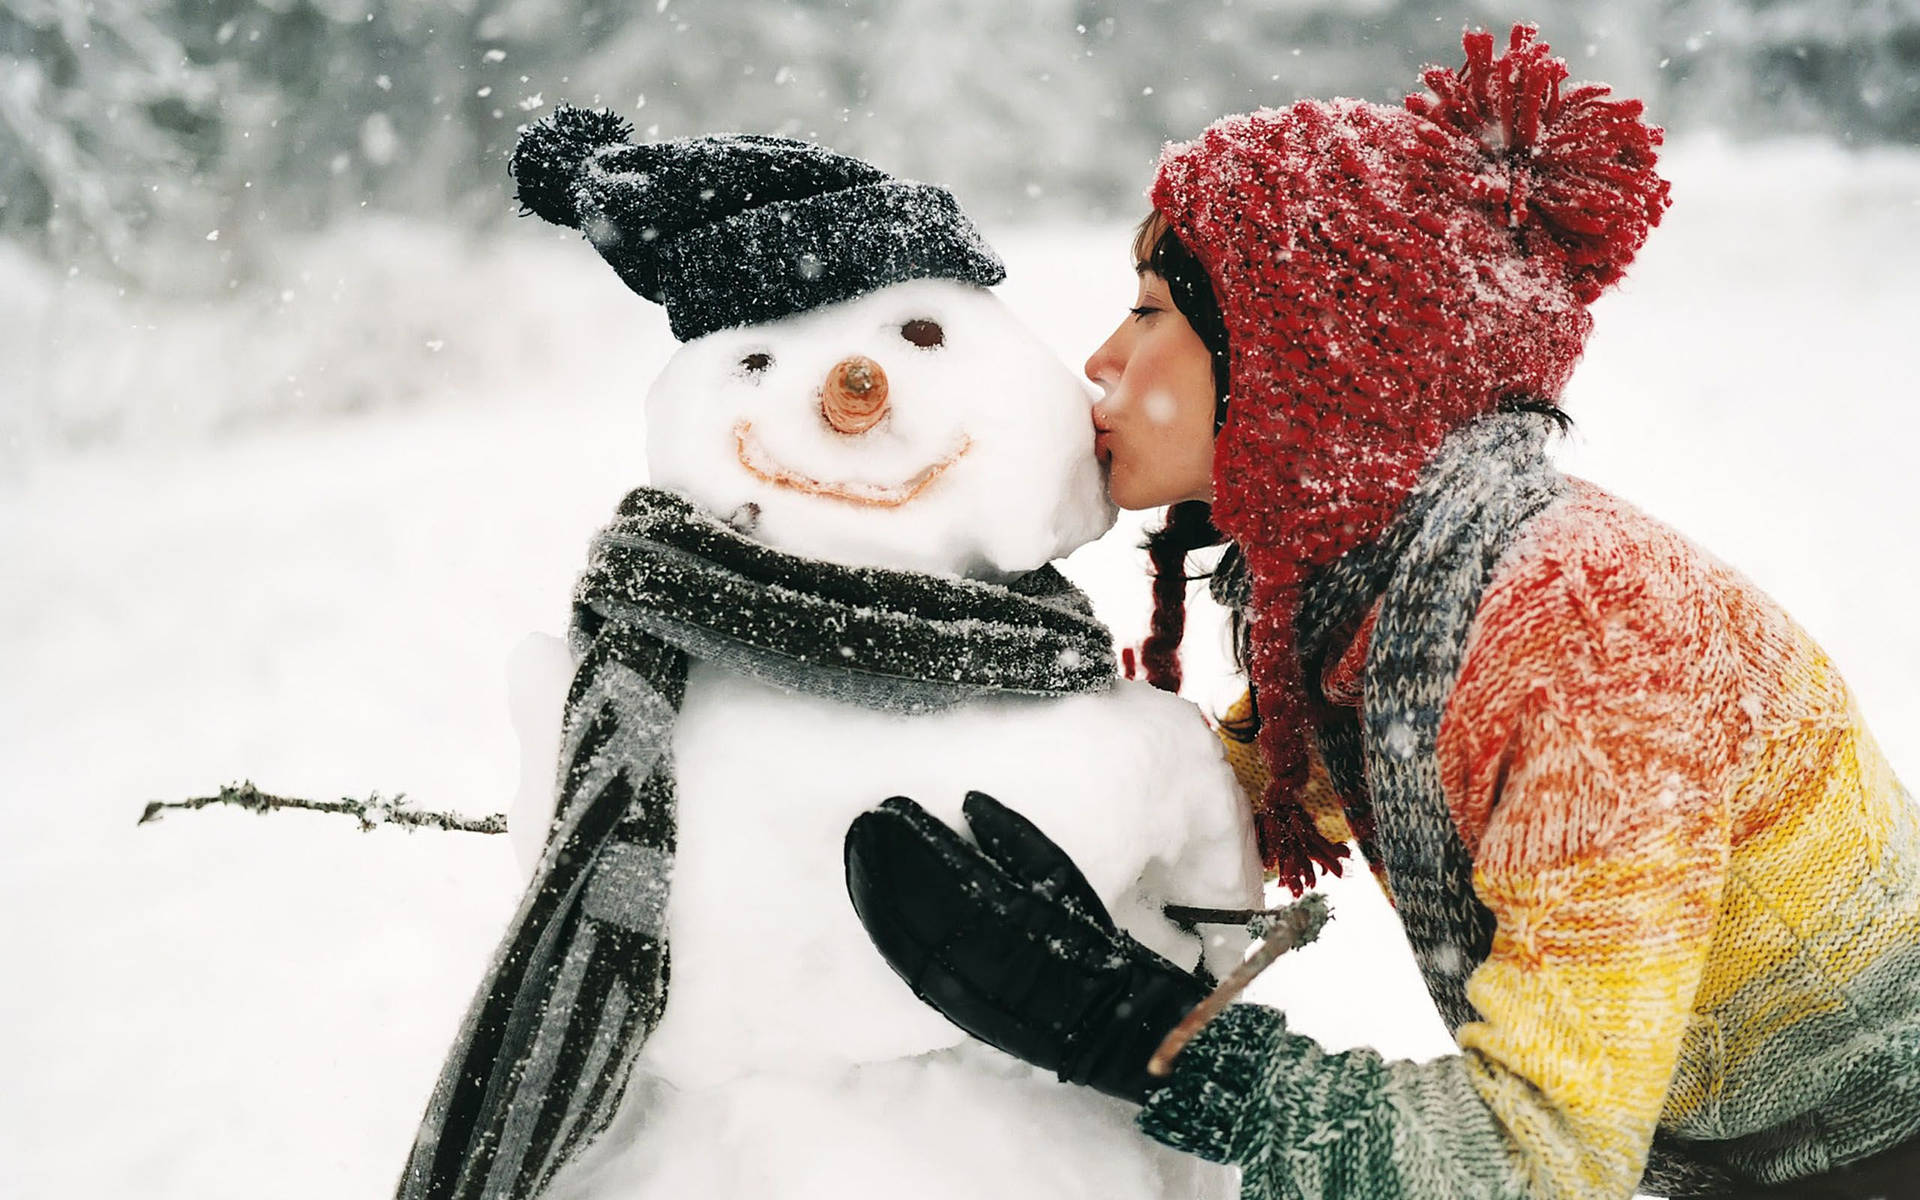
1704, 889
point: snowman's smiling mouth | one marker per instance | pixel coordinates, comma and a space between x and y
755, 458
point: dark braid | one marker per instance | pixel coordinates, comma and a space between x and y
1189, 527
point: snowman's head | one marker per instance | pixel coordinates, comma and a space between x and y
920, 427
848, 388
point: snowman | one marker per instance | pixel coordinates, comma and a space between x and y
836, 589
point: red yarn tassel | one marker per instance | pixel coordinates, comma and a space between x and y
1290, 845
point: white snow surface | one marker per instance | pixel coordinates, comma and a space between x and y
223, 1005
918, 1127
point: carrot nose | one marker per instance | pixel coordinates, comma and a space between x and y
855, 396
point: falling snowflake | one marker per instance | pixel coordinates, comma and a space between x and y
1400, 740
1446, 960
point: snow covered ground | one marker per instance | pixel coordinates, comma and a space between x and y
221, 1005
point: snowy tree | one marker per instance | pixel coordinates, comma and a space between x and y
368, 104
130, 130
1805, 66
105, 127
1008, 90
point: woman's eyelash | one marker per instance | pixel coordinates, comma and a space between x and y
1144, 310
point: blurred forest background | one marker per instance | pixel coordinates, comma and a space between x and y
131, 130
305, 192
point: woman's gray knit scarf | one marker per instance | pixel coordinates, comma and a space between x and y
580, 979
1429, 570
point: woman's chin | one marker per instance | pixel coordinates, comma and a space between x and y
1133, 499
1127, 490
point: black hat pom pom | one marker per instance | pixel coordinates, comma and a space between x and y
546, 163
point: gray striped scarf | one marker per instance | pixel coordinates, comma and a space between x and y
580, 979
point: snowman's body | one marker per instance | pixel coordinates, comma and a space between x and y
790, 1062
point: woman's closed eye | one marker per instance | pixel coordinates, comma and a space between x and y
1142, 311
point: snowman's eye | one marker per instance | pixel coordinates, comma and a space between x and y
756, 362
924, 333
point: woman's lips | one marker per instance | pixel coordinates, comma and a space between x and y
1101, 450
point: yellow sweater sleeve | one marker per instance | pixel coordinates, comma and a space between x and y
1250, 768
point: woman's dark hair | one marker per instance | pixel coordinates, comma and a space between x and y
1562, 421
1157, 248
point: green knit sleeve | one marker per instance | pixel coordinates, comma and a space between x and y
1301, 1122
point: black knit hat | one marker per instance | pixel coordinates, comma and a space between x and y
739, 229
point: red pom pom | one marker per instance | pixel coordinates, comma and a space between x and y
1578, 165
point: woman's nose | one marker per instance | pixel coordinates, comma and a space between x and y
1095, 369
854, 397
1105, 365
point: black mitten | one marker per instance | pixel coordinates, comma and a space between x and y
1009, 942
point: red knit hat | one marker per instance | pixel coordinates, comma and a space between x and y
1386, 275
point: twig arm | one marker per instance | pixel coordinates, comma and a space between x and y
1285, 929
376, 810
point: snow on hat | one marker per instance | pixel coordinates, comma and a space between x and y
738, 229
1387, 275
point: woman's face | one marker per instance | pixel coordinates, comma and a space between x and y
1154, 419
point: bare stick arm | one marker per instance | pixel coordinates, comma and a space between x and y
376, 810
1287, 927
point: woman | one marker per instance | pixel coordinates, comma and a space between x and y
1659, 879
